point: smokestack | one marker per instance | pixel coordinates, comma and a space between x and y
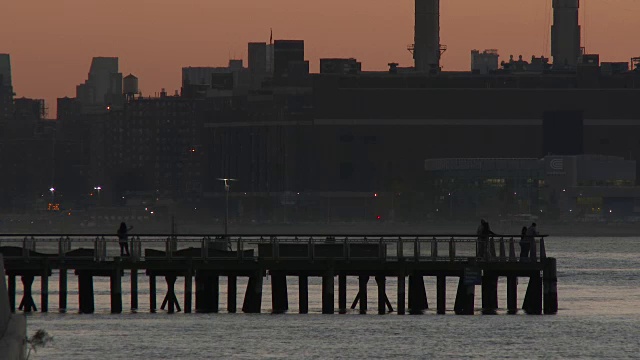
565, 33
426, 51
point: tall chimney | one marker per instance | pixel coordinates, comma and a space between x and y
426, 51
565, 33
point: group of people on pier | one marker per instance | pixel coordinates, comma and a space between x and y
486, 246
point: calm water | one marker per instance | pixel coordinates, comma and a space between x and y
599, 317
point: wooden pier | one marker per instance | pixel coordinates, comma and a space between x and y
206, 258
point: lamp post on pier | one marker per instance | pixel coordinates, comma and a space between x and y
227, 188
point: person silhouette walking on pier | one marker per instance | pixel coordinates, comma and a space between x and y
530, 239
123, 239
483, 232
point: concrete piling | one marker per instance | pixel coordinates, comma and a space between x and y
116, 290
401, 294
328, 295
134, 289
532, 304
382, 295
363, 280
27, 304
441, 294
417, 295
489, 293
232, 291
279, 296
465, 298
11, 287
342, 293
253, 296
303, 294
512, 295
44, 289
550, 285
188, 291
62, 291
152, 293
85, 292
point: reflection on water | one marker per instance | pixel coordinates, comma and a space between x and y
599, 316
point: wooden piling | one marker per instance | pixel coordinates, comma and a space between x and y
170, 297
328, 295
11, 287
532, 304
188, 291
279, 296
214, 289
44, 289
62, 290
27, 304
441, 294
85, 292
465, 298
232, 286
401, 294
550, 285
134, 289
253, 295
303, 294
489, 293
116, 288
363, 280
512, 295
152, 293
417, 295
382, 295
342, 293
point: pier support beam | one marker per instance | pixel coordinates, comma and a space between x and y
232, 293
207, 292
27, 304
171, 299
512, 295
85, 292
11, 287
303, 294
489, 293
328, 294
441, 294
134, 289
116, 289
279, 296
152, 293
253, 296
465, 297
532, 304
188, 291
401, 294
342, 293
417, 295
550, 285
363, 280
62, 290
44, 289
382, 295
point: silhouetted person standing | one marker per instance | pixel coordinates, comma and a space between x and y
532, 232
123, 239
484, 231
525, 244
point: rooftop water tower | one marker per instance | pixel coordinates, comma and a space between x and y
130, 87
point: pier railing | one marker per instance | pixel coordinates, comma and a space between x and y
149, 247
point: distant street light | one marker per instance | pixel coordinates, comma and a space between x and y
227, 188
98, 189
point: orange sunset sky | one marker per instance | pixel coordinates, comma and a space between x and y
51, 42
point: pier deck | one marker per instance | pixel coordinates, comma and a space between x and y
207, 257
